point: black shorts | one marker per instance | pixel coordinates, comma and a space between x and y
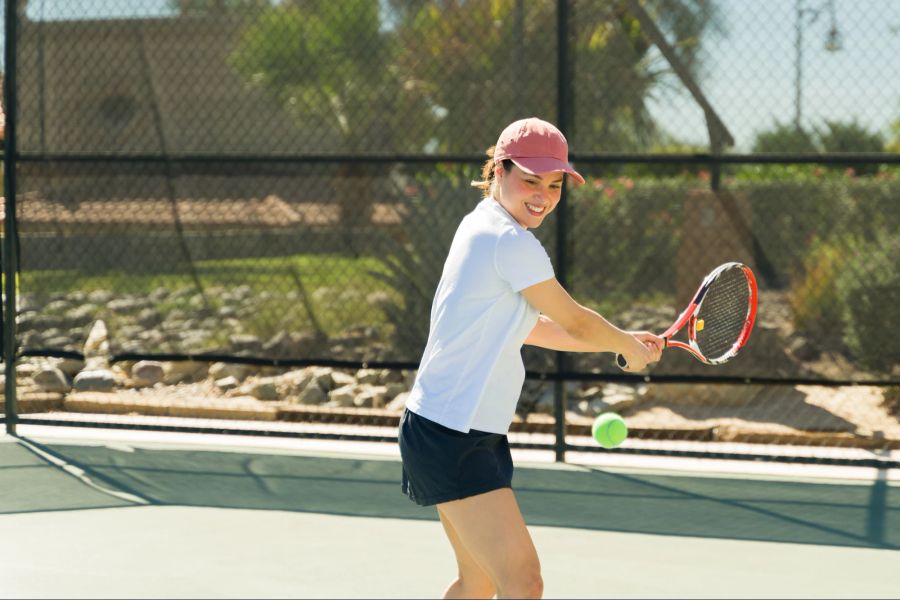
441, 464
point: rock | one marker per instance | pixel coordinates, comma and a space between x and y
368, 376
147, 372
243, 292
71, 366
310, 341
321, 376
392, 390
409, 378
97, 343
100, 297
294, 382
340, 379
618, 397
390, 376
27, 369
158, 295
126, 305
63, 341
57, 306
226, 384
372, 396
194, 340
227, 311
243, 343
100, 380
398, 403
53, 380
82, 315
184, 371
312, 394
342, 396
279, 345
221, 370
264, 389
152, 338
149, 317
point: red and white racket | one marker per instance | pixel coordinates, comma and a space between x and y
719, 318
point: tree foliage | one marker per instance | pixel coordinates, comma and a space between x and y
333, 66
414, 75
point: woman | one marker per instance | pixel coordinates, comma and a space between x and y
497, 292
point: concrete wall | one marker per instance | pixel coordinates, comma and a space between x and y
143, 86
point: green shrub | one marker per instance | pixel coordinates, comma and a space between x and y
814, 298
624, 239
790, 214
785, 138
851, 137
894, 144
869, 288
434, 203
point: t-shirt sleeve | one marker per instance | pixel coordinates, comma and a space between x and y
521, 260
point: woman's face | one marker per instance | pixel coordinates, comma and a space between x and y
529, 198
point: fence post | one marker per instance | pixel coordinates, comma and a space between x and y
564, 73
10, 260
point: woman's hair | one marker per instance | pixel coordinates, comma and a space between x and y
487, 173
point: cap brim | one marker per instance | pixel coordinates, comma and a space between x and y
538, 165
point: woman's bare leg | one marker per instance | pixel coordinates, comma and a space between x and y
472, 581
493, 533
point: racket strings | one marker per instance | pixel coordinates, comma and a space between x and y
723, 313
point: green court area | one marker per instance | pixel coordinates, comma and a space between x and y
111, 518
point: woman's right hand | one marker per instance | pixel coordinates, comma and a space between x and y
639, 353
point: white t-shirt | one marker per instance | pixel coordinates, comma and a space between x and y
471, 373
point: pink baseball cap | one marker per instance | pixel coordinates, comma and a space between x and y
535, 146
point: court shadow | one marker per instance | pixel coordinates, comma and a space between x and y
863, 515
30, 482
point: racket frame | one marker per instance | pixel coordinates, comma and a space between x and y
689, 317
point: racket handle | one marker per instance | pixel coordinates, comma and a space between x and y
620, 360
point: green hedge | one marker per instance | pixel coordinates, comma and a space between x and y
869, 289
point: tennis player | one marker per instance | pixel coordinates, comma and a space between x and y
497, 292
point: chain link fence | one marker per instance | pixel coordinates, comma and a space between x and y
244, 207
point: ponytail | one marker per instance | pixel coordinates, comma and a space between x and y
487, 173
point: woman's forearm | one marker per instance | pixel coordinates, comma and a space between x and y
594, 334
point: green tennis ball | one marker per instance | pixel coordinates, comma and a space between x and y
609, 430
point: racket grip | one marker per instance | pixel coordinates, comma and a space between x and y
620, 360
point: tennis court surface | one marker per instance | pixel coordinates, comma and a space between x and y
111, 514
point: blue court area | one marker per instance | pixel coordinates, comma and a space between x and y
97, 514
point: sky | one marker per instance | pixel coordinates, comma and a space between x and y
749, 69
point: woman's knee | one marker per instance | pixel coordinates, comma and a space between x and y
476, 586
526, 583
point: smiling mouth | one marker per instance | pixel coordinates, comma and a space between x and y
537, 211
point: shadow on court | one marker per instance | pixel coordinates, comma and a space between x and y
44, 477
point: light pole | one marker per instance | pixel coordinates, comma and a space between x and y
832, 44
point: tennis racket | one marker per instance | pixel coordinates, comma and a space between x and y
719, 318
